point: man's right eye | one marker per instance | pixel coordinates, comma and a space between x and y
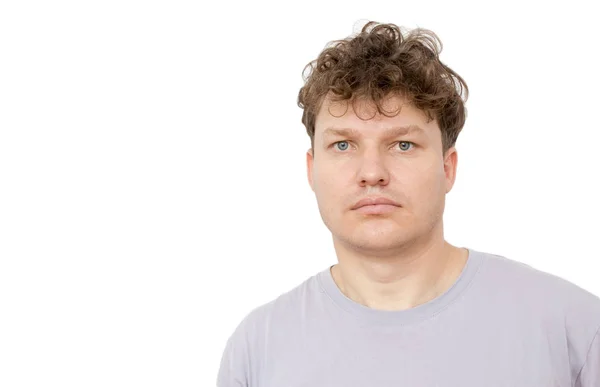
341, 145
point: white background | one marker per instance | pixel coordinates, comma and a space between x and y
152, 168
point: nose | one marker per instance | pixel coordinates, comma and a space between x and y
373, 170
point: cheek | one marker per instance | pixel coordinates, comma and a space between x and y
330, 186
422, 185
435, 192
434, 184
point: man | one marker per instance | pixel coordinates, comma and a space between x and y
404, 307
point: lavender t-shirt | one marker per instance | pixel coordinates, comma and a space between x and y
502, 323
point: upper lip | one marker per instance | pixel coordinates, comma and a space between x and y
374, 200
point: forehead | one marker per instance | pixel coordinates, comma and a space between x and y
361, 117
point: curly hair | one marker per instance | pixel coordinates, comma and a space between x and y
378, 61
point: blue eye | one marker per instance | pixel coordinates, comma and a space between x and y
405, 143
342, 145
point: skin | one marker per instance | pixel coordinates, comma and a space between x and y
397, 260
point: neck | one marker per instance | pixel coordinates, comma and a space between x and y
412, 277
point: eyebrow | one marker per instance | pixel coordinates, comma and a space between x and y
391, 132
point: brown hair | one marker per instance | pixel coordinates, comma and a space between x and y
381, 60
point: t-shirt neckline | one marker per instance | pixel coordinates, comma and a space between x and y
416, 314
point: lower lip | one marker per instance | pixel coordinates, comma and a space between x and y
376, 209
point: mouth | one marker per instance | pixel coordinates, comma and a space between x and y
377, 209
375, 205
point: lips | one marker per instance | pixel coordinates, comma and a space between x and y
374, 201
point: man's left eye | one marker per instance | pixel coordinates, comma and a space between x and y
405, 145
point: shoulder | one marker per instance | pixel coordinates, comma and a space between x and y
246, 347
530, 283
288, 306
294, 300
527, 289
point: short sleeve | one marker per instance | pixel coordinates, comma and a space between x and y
590, 373
233, 370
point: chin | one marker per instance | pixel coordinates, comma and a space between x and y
379, 239
379, 248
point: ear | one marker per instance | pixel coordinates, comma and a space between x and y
309, 167
450, 165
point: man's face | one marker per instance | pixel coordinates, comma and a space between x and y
354, 159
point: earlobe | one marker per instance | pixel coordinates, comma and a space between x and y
309, 167
450, 164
